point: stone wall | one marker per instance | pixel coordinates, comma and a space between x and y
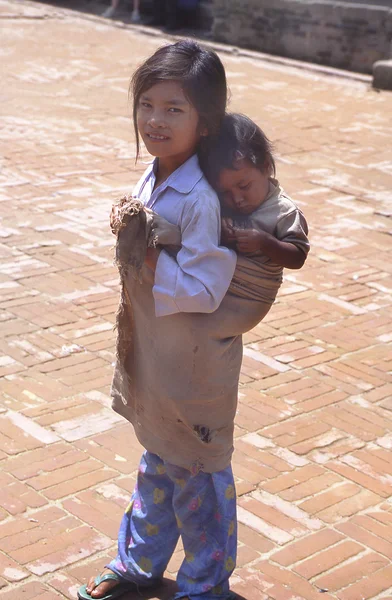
339, 34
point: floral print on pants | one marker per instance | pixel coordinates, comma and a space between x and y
168, 502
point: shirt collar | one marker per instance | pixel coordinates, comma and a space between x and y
274, 188
183, 179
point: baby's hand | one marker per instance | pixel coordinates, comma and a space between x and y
227, 231
250, 240
163, 233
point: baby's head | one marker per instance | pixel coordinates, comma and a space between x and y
239, 164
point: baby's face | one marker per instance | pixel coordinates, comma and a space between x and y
244, 188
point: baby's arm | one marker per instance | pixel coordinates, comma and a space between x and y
282, 253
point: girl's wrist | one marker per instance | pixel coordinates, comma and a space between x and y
152, 256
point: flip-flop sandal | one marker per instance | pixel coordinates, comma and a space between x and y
121, 588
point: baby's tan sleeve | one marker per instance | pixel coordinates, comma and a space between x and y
293, 228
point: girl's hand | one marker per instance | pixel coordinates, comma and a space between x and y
250, 240
227, 231
163, 233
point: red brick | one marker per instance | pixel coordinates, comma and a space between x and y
30, 591
272, 516
351, 572
96, 512
11, 570
358, 531
361, 371
327, 559
245, 590
344, 420
345, 508
14, 440
301, 434
247, 463
38, 536
300, 549
83, 570
286, 481
16, 496
251, 419
310, 487
325, 439
65, 585
246, 555
288, 579
336, 450
80, 543
265, 583
243, 487
39, 518
379, 393
329, 497
262, 456
253, 539
48, 459
370, 587
322, 400
77, 484
379, 460
362, 479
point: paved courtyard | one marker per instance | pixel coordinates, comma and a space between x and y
313, 459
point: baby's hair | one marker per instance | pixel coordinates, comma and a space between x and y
200, 74
238, 139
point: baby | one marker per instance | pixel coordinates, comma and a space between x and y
259, 220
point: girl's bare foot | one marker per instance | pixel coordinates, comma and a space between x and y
98, 591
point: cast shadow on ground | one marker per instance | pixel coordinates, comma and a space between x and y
164, 592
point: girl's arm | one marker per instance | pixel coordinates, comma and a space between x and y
197, 279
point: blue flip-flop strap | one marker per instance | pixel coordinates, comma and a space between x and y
107, 577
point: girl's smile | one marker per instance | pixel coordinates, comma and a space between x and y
154, 137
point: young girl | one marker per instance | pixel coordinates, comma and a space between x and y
179, 385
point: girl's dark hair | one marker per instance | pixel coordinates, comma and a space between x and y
239, 138
200, 74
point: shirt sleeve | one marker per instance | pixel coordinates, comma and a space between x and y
293, 228
197, 279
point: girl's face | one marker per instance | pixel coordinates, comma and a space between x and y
168, 123
244, 188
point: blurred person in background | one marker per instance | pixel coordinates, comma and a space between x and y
174, 14
112, 9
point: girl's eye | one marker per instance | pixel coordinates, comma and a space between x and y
175, 110
145, 104
246, 186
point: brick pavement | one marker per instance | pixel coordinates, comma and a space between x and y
313, 430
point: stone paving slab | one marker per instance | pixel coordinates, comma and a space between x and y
313, 429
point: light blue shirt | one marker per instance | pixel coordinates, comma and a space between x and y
197, 279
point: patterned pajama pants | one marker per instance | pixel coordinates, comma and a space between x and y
169, 502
